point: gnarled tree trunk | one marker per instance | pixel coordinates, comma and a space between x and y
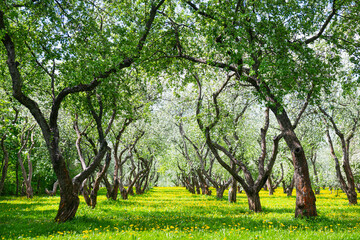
254, 201
305, 197
100, 175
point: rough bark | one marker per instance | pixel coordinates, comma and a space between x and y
100, 175
254, 201
305, 197
69, 203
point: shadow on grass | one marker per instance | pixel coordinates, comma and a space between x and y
156, 210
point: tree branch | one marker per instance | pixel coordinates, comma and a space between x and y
323, 27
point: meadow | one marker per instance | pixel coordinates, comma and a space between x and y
173, 213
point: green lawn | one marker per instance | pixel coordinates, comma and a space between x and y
173, 213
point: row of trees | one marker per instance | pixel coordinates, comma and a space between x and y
105, 64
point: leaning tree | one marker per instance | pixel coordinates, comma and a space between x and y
69, 48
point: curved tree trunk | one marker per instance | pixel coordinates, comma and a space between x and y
69, 204
131, 191
305, 197
69, 199
99, 177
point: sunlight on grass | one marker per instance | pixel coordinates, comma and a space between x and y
173, 213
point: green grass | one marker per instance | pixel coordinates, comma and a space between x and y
173, 213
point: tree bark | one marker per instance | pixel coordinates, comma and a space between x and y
305, 197
69, 203
112, 194
254, 201
290, 187
270, 186
69, 200
100, 175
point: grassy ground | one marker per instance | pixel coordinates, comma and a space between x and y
173, 213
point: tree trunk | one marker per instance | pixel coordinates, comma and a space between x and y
131, 191
29, 190
270, 186
351, 190
17, 178
86, 193
220, 192
113, 192
290, 188
69, 200
196, 184
352, 196
283, 186
204, 186
254, 202
69, 203
232, 191
349, 186
99, 177
305, 197
123, 192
